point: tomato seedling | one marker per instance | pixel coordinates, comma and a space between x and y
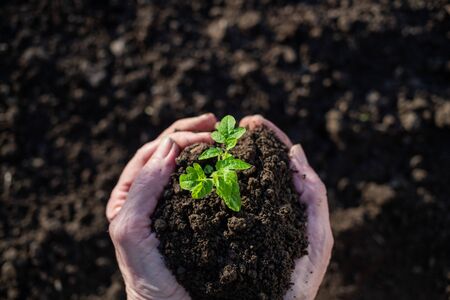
222, 177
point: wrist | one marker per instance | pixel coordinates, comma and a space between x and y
140, 292
134, 294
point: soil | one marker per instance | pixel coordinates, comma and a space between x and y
363, 85
216, 253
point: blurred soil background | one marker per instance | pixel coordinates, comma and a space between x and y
363, 85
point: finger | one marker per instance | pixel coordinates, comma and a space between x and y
133, 220
204, 122
313, 193
182, 138
255, 121
136, 163
120, 191
134, 243
311, 189
185, 138
150, 182
297, 152
310, 269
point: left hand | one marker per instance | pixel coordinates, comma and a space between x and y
133, 201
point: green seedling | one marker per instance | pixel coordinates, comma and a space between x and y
222, 177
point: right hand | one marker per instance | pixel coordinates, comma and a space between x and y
309, 269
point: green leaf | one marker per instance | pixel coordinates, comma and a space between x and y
230, 143
238, 132
237, 164
208, 169
227, 188
202, 189
218, 137
195, 180
224, 178
226, 155
226, 133
198, 169
209, 153
232, 163
226, 126
190, 179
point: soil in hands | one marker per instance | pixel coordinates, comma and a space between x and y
216, 253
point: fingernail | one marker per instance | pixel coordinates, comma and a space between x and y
297, 153
174, 150
147, 147
116, 210
256, 121
206, 115
164, 147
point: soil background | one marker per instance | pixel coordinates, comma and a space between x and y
363, 85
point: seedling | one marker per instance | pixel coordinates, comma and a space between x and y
222, 177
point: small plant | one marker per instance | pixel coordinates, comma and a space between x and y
200, 181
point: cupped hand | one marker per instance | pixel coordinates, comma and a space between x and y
309, 269
133, 201
135, 196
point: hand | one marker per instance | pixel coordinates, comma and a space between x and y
133, 201
310, 269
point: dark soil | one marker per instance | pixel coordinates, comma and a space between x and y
363, 85
220, 254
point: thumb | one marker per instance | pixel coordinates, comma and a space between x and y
152, 178
133, 220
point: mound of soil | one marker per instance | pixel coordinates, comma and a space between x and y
216, 253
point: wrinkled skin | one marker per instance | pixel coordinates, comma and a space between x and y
309, 269
135, 196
